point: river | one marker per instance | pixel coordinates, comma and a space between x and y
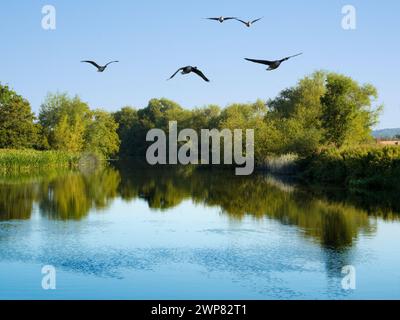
129, 231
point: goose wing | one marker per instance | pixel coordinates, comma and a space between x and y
92, 63
266, 62
244, 22
287, 58
111, 63
201, 74
180, 69
254, 21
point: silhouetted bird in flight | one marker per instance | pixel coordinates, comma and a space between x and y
222, 19
189, 69
99, 68
248, 23
272, 65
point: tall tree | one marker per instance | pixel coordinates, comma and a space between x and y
17, 126
64, 120
296, 114
160, 112
204, 118
101, 134
68, 134
128, 121
157, 114
348, 111
249, 116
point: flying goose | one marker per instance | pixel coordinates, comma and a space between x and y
248, 24
222, 19
272, 65
189, 69
99, 68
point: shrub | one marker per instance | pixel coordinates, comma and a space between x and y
364, 166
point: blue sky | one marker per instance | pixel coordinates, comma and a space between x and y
153, 38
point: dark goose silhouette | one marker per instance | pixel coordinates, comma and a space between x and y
189, 69
99, 68
222, 19
248, 24
272, 65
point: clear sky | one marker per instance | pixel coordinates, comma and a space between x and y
153, 38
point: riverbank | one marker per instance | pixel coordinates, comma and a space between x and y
19, 161
363, 167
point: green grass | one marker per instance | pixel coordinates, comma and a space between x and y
26, 160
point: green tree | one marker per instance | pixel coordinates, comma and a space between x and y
249, 116
68, 134
135, 125
204, 118
128, 121
160, 112
17, 127
64, 120
348, 111
322, 109
101, 134
296, 114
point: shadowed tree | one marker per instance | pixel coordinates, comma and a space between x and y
127, 120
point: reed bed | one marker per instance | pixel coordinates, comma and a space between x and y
284, 164
26, 160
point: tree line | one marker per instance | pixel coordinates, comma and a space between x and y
322, 109
64, 124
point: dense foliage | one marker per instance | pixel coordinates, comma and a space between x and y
69, 125
323, 109
322, 120
364, 166
17, 127
64, 124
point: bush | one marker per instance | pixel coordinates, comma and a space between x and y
365, 166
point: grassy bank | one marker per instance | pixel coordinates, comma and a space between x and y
361, 167
26, 160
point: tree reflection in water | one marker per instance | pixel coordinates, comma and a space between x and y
334, 219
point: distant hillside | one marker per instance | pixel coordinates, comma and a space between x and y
386, 133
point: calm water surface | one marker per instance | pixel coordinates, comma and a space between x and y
134, 232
